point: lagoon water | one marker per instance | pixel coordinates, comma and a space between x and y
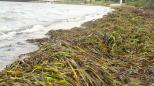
20, 21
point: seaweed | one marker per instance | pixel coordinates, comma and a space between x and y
116, 50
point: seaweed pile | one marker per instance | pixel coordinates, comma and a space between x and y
117, 50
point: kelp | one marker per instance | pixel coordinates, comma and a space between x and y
116, 50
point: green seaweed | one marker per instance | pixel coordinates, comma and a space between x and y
116, 50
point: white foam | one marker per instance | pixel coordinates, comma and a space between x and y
20, 21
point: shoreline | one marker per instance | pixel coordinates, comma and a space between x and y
18, 46
95, 54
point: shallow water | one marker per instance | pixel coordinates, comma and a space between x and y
20, 21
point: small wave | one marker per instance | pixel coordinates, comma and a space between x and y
7, 36
33, 29
7, 19
1, 33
